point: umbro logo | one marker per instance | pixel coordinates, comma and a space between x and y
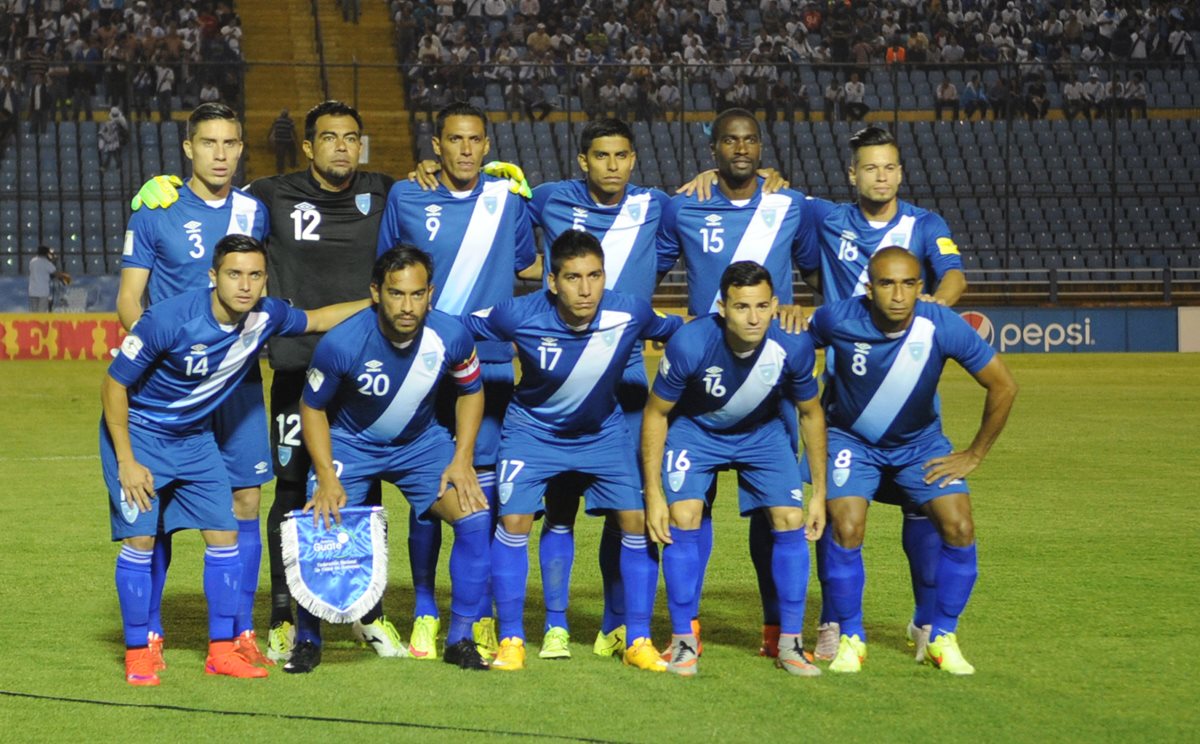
199, 348
192, 225
374, 365
861, 346
849, 235
433, 210
305, 206
712, 220
547, 341
713, 371
579, 211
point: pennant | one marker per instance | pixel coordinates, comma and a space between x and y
340, 573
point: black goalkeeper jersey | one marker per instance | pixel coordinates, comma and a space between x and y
320, 247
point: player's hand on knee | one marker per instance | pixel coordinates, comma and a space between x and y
326, 502
426, 174
160, 191
460, 476
951, 467
658, 519
791, 319
701, 186
137, 482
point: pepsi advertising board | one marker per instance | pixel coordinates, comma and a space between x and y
1059, 330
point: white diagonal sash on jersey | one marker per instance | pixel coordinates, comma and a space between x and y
591, 365
476, 246
760, 234
893, 392
419, 380
340, 573
622, 235
900, 235
753, 390
241, 216
246, 346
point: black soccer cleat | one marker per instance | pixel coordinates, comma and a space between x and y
465, 654
306, 656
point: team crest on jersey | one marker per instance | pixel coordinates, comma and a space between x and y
840, 476
129, 510
916, 350
635, 211
712, 220
608, 337
489, 203
898, 241
768, 217
363, 202
243, 222
285, 455
504, 490
430, 358
768, 373
675, 479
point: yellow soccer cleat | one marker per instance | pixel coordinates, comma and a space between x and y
422, 644
483, 632
280, 640
511, 656
611, 643
642, 654
944, 654
556, 644
851, 654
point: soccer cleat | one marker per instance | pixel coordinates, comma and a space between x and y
770, 641
556, 644
484, 632
611, 643
466, 655
154, 643
247, 645
280, 640
918, 638
511, 656
828, 635
224, 659
380, 635
684, 659
422, 644
850, 655
642, 654
793, 659
945, 655
306, 656
141, 667
699, 645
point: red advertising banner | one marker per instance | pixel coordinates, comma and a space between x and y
59, 336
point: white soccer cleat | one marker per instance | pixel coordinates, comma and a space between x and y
381, 636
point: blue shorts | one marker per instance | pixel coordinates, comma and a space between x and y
414, 467
858, 469
763, 458
497, 392
191, 487
602, 465
240, 427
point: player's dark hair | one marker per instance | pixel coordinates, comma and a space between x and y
328, 108
871, 136
729, 115
208, 112
236, 244
458, 108
892, 251
573, 244
399, 258
744, 274
603, 128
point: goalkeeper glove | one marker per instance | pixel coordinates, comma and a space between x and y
516, 177
159, 191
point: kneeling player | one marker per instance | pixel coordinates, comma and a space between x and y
722, 376
378, 374
883, 417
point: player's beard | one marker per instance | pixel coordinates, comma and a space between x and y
335, 176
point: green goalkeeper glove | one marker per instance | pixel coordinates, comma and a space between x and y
159, 191
516, 177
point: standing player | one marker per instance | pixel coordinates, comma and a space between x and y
889, 351
162, 467
368, 414
564, 423
168, 252
724, 377
479, 236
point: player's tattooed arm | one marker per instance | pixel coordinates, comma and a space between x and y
1001, 388
654, 438
812, 429
704, 182
136, 479
328, 496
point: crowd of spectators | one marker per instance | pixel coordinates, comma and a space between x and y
633, 57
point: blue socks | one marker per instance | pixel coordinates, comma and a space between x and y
680, 565
828, 613
222, 574
133, 592
762, 544
510, 570
789, 564
956, 573
468, 573
704, 548
556, 555
639, 569
610, 575
923, 546
487, 484
308, 626
845, 581
159, 562
250, 554
424, 545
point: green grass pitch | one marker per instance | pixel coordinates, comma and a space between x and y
1083, 625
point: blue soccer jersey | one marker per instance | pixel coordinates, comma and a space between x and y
723, 392
180, 364
883, 389
569, 377
176, 244
766, 229
381, 393
628, 231
842, 241
478, 241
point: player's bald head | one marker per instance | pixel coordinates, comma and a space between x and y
889, 257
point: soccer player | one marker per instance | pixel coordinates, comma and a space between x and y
162, 467
740, 223
722, 379
564, 423
843, 239
168, 252
368, 414
479, 236
889, 351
